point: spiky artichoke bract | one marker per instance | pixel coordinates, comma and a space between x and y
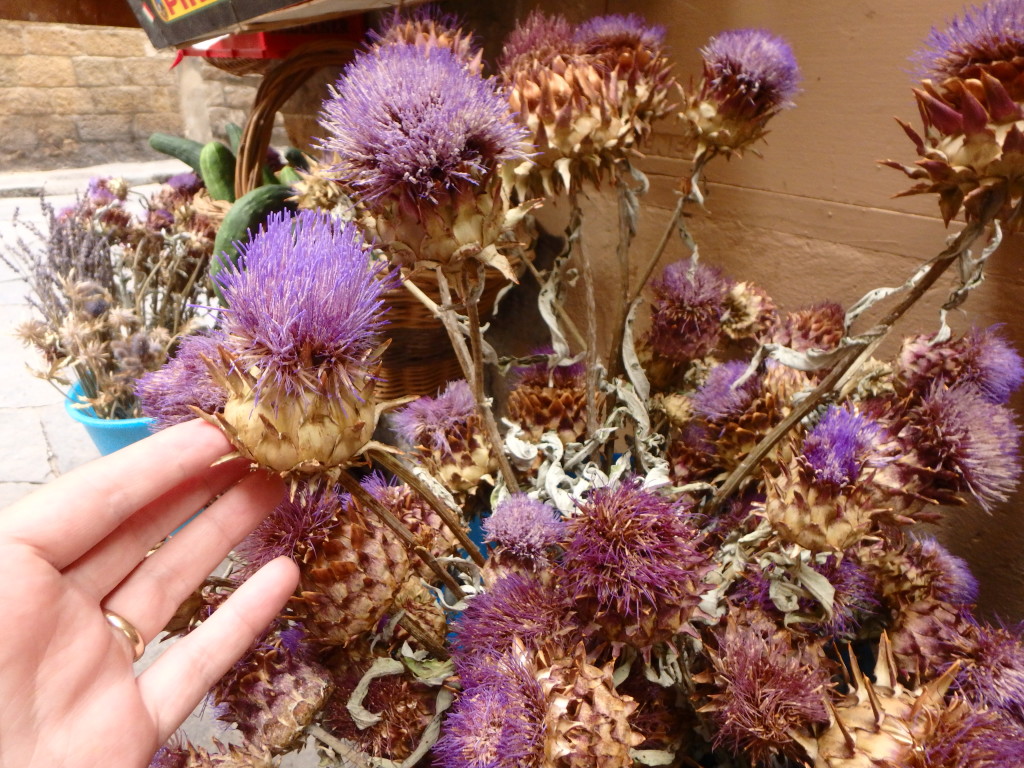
972, 147
587, 96
303, 325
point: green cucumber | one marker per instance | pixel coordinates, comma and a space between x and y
184, 149
243, 220
217, 164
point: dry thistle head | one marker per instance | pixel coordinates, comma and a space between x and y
972, 147
750, 76
303, 346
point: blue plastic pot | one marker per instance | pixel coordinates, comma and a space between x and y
108, 435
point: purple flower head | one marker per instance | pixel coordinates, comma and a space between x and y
498, 723
993, 364
543, 375
719, 399
963, 735
951, 578
104, 190
427, 420
689, 300
751, 73
985, 35
994, 678
185, 184
305, 304
516, 607
539, 38
294, 529
840, 445
767, 689
633, 563
526, 527
971, 442
413, 123
604, 33
982, 358
169, 393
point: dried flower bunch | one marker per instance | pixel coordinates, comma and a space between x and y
707, 559
114, 290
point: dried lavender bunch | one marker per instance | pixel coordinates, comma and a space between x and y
111, 294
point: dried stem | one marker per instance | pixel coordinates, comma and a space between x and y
574, 235
858, 352
675, 223
471, 362
559, 309
352, 758
388, 518
398, 468
431, 644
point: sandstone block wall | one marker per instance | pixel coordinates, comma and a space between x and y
78, 95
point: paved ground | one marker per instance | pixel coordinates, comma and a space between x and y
38, 440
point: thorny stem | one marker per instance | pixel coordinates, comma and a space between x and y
388, 518
858, 352
396, 467
471, 362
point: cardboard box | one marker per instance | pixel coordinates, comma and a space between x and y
185, 22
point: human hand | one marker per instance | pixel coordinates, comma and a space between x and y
68, 693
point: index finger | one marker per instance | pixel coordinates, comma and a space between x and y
67, 517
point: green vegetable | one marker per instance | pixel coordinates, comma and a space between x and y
184, 149
217, 165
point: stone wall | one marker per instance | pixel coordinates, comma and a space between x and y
77, 95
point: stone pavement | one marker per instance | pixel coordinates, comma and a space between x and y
38, 440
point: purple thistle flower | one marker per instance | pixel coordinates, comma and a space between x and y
971, 441
985, 35
992, 364
994, 676
517, 607
840, 445
169, 393
185, 184
428, 26
305, 305
525, 527
686, 311
427, 420
982, 358
633, 563
962, 736
719, 399
750, 73
294, 529
768, 689
497, 723
951, 578
539, 38
601, 33
413, 123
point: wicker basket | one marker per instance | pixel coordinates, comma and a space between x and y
420, 360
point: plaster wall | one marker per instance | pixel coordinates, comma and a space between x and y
815, 217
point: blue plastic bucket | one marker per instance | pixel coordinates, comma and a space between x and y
108, 435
